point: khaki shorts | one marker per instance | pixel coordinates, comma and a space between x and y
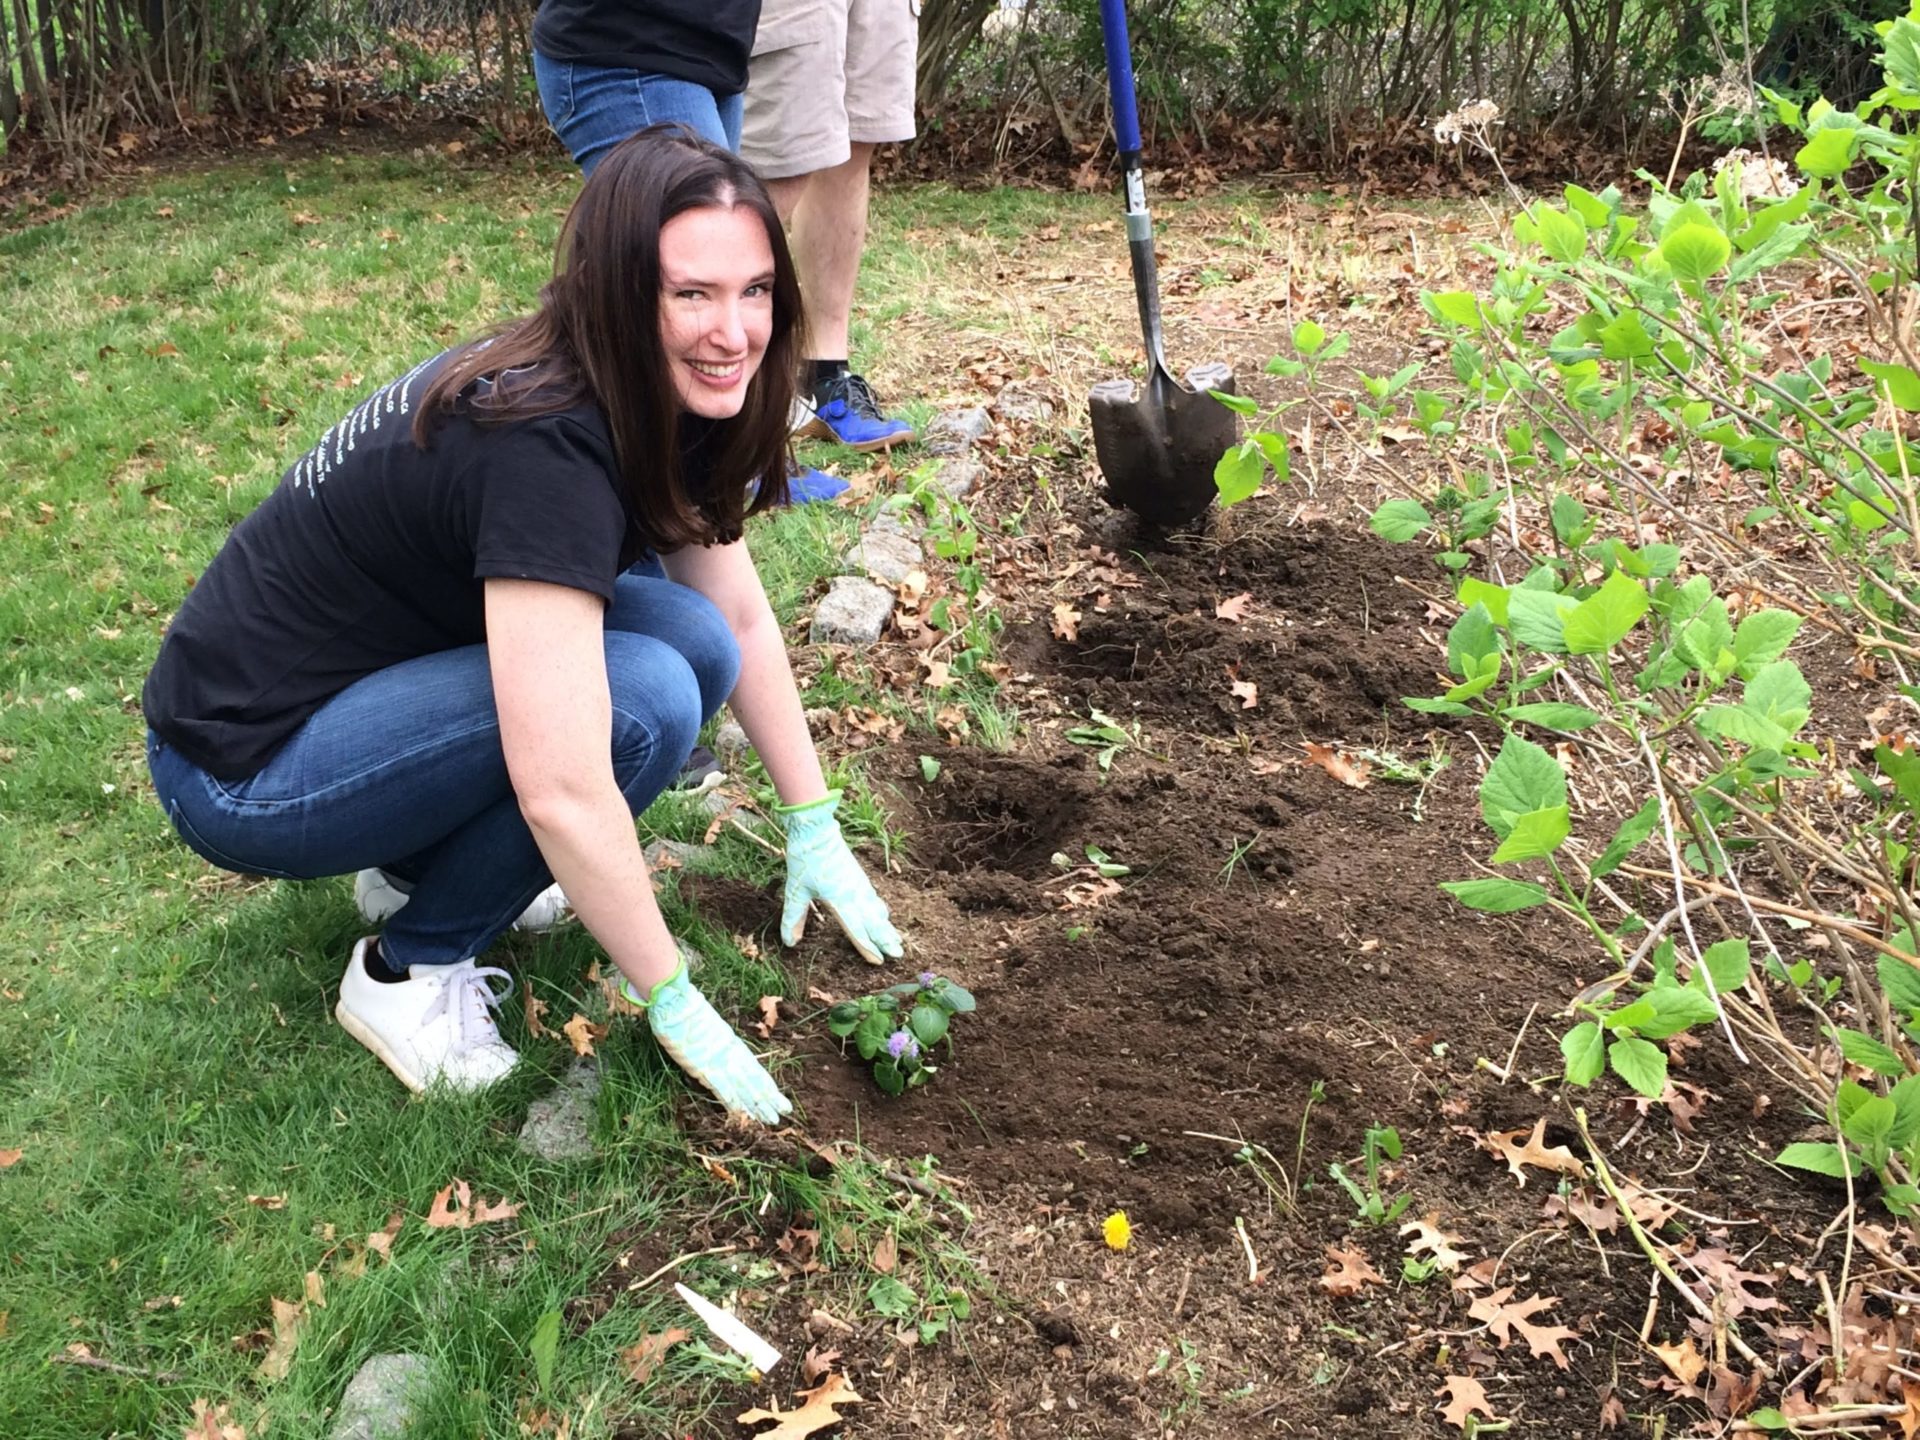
824, 74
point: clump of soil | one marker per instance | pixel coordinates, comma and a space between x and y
1278, 931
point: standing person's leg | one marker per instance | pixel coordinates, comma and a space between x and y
592, 108
813, 138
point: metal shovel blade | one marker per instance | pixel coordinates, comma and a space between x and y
1158, 450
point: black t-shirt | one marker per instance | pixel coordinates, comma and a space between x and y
705, 41
372, 551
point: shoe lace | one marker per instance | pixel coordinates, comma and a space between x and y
857, 393
466, 998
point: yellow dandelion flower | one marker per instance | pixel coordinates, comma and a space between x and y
1117, 1230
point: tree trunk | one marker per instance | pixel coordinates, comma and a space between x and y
947, 28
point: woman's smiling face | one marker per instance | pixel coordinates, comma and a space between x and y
716, 305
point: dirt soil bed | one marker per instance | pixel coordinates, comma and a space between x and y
1279, 929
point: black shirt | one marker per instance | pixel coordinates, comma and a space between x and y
372, 551
704, 41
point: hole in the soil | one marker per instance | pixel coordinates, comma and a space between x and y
1008, 821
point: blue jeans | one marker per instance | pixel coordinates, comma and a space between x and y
403, 769
592, 108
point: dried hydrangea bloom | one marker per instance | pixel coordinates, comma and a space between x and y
1762, 177
1471, 119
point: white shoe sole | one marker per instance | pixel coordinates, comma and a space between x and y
360, 1031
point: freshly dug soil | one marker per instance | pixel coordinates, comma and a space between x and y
1278, 930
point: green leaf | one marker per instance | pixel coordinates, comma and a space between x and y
1239, 473
1900, 380
1537, 619
1585, 1047
1864, 1050
1779, 692
1553, 715
928, 1023
1453, 307
1706, 633
1728, 964
1763, 636
1400, 520
1562, 236
1768, 1418
1309, 336
1626, 338
1588, 206
1695, 252
1903, 769
1239, 404
1274, 447
929, 769
1641, 1064
1675, 1008
1821, 1158
1827, 153
544, 1346
1632, 833
1523, 778
1496, 897
1906, 1105
1479, 592
1603, 619
1900, 981
1535, 834
1901, 56
1472, 637
1869, 1126
891, 1298
1429, 706
1731, 722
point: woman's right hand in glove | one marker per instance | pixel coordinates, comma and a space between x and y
691, 1031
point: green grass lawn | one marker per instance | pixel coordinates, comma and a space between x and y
166, 1045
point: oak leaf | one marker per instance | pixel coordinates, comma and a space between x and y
819, 1413
1246, 692
1336, 764
1464, 1395
1234, 609
1351, 1269
289, 1319
212, 1422
1066, 621
581, 1033
460, 1213
1503, 1316
1438, 1243
769, 1016
817, 1363
536, 1008
886, 1255
1684, 1360
380, 1242
1508, 1146
643, 1359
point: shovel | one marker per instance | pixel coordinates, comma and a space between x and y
1157, 450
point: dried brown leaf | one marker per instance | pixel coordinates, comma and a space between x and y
316, 1289
820, 1411
536, 1011
380, 1242
460, 1213
1350, 1270
1234, 609
769, 1016
1464, 1395
886, 1254
581, 1033
1246, 692
268, 1202
817, 1363
643, 1359
1437, 1243
1533, 1150
1503, 1316
1336, 764
289, 1319
212, 1422
10, 1158
1066, 621
1684, 1360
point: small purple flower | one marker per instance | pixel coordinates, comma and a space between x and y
902, 1045
927, 977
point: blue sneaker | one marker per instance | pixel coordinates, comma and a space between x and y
807, 485
845, 411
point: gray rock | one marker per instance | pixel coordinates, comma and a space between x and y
730, 744
954, 432
854, 612
958, 477
560, 1125
898, 520
1024, 406
678, 855
379, 1400
886, 555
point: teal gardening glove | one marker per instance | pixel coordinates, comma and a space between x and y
821, 867
691, 1031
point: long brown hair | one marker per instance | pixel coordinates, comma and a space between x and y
596, 338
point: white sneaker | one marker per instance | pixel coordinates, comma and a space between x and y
379, 894
432, 1028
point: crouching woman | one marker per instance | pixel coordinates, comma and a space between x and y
423, 652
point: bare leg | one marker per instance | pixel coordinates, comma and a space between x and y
826, 214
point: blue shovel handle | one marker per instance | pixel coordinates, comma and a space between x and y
1126, 110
